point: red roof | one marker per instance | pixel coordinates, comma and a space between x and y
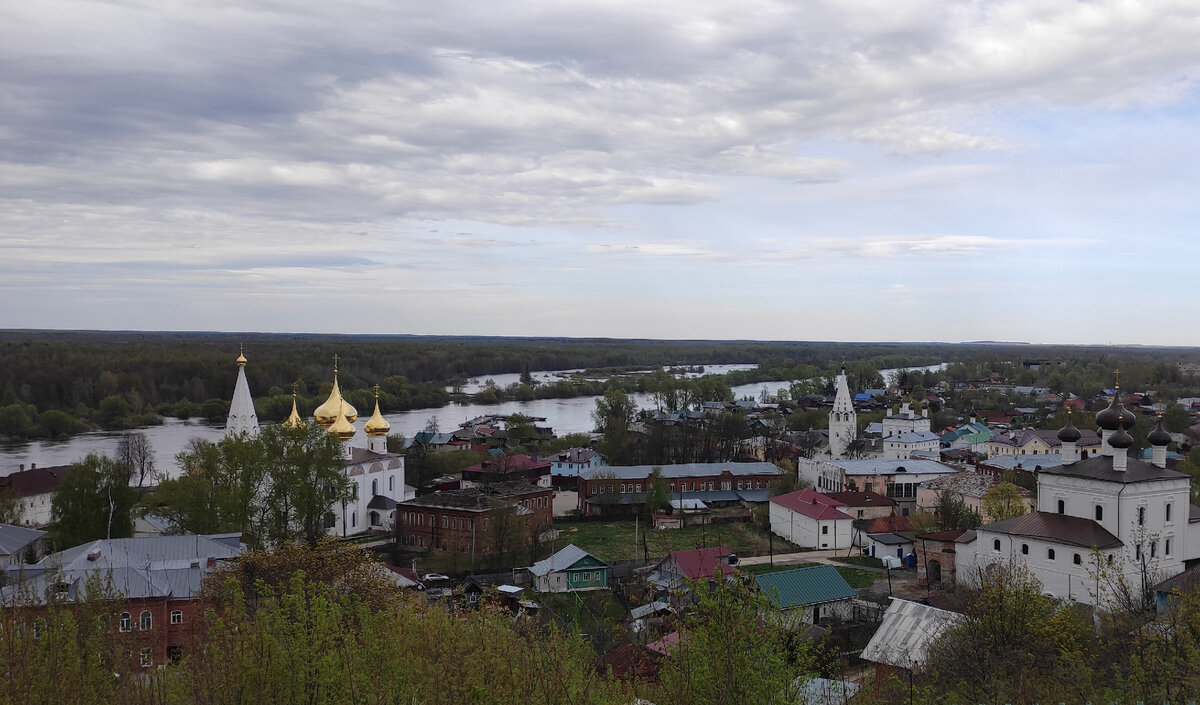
861, 499
887, 525
27, 483
702, 562
811, 504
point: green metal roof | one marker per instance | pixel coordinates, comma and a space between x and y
804, 586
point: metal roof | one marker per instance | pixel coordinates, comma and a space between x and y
804, 586
562, 560
639, 472
1055, 528
908, 628
890, 466
14, 538
1100, 468
889, 539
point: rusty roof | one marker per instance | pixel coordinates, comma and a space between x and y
1058, 528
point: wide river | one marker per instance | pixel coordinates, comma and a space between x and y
564, 415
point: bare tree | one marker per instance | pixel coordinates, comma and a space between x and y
135, 451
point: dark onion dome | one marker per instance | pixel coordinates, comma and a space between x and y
1116, 415
1068, 433
1159, 436
1121, 440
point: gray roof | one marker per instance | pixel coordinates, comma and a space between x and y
563, 560
640, 472
1026, 462
890, 466
908, 628
153, 566
1100, 468
14, 538
889, 539
916, 437
647, 610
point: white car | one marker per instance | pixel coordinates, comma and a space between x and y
434, 577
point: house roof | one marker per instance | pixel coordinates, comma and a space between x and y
637, 472
949, 535
808, 505
915, 437
907, 630
563, 560
1100, 467
1056, 528
804, 586
702, 562
861, 499
476, 499
1187, 581
14, 538
35, 481
1032, 461
889, 539
890, 466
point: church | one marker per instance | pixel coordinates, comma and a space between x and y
376, 476
1104, 525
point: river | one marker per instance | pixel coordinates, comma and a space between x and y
564, 415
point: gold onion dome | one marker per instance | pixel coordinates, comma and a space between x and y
294, 420
241, 359
327, 413
377, 425
342, 426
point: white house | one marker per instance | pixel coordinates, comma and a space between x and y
904, 421
903, 445
894, 478
569, 462
810, 520
34, 491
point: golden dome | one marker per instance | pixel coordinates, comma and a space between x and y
241, 360
294, 420
327, 413
377, 425
342, 426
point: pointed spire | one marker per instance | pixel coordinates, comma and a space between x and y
242, 418
294, 420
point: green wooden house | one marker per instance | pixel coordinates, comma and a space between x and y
570, 569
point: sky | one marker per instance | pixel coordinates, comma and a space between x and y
853, 171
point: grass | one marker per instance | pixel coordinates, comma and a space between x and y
856, 577
614, 540
869, 561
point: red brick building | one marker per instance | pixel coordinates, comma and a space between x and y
477, 519
160, 579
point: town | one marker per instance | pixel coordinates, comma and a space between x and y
828, 543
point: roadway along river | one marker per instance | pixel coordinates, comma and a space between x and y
564, 415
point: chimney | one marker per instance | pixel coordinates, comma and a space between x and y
33, 466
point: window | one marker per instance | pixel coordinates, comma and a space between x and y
1025, 549
174, 653
995, 544
176, 616
445, 521
1062, 507
1077, 559
1050, 554
1153, 549
825, 529
1138, 552
374, 487
739, 484
1099, 513
860, 514
1166, 547
622, 488
147, 657
1168, 511
146, 621
354, 520
1141, 516
391, 483
126, 622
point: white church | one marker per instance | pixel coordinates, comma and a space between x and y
1099, 521
376, 476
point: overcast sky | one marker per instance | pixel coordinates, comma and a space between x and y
803, 171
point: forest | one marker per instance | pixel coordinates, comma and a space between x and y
56, 383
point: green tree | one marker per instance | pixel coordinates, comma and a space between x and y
1175, 418
1002, 502
135, 450
730, 656
658, 494
613, 414
10, 507
94, 501
953, 513
57, 423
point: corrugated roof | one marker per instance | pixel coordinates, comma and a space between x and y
1057, 528
806, 502
1100, 468
904, 636
804, 586
702, 562
889, 539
